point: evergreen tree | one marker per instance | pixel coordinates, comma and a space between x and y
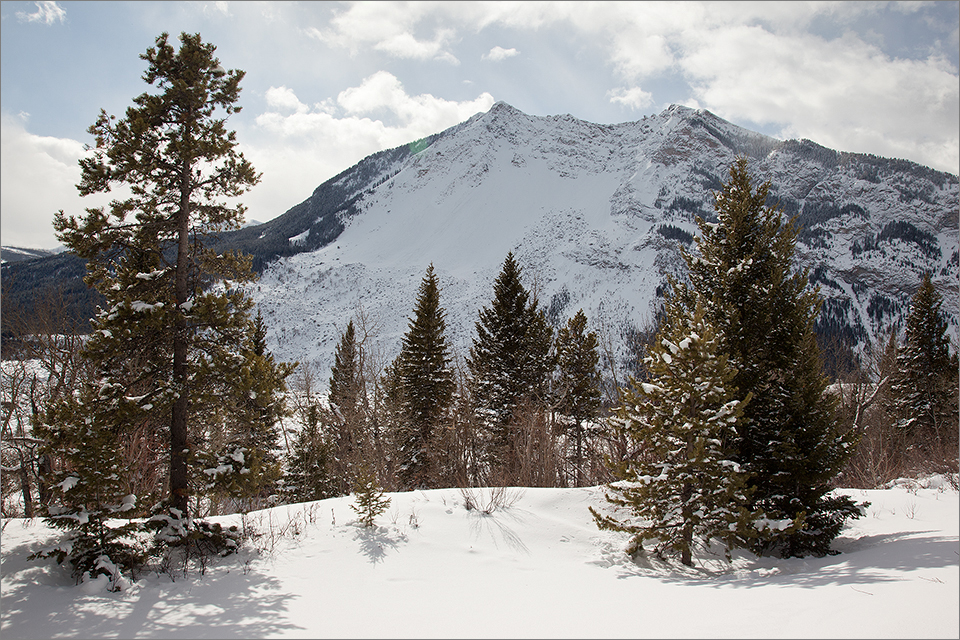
308, 472
426, 386
173, 151
345, 420
788, 439
578, 385
368, 493
345, 375
510, 358
686, 488
89, 496
924, 386
247, 467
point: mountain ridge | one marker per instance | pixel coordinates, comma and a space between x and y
596, 214
599, 225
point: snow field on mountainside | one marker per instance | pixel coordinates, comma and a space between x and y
536, 567
580, 205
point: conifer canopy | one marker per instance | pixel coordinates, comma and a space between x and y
788, 438
167, 337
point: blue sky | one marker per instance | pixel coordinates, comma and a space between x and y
328, 83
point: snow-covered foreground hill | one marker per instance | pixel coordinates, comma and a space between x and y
539, 568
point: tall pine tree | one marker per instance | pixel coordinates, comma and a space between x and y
147, 255
510, 360
789, 438
426, 386
924, 386
346, 421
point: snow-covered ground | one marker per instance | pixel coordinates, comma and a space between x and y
538, 568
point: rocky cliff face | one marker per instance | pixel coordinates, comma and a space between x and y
596, 215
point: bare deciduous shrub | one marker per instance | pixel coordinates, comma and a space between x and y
496, 498
884, 453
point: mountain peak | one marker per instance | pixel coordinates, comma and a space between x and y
501, 105
597, 215
502, 109
688, 113
681, 110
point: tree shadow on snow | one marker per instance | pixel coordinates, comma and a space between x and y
41, 600
376, 541
865, 560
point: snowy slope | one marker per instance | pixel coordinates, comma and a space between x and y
596, 214
17, 254
539, 568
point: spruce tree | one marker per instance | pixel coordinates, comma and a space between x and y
147, 254
368, 495
345, 422
345, 375
308, 474
578, 383
924, 386
246, 468
426, 386
789, 438
510, 359
685, 489
89, 494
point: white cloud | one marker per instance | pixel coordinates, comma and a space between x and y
499, 53
751, 61
842, 93
310, 145
47, 12
284, 98
39, 174
634, 97
387, 27
214, 8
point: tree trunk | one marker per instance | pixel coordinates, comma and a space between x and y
686, 556
579, 455
686, 510
25, 487
179, 441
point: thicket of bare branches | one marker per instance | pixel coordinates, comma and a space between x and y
884, 452
42, 364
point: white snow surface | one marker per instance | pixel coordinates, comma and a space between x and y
538, 568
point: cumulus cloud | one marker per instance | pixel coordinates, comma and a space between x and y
47, 12
499, 53
39, 178
387, 27
284, 99
307, 145
634, 97
380, 93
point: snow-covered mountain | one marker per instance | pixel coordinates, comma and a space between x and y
595, 214
18, 254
